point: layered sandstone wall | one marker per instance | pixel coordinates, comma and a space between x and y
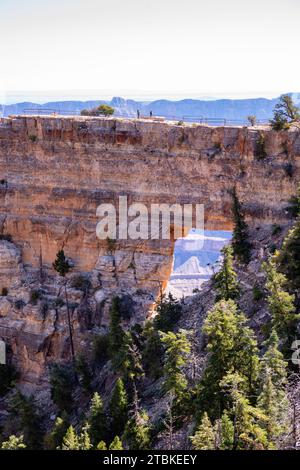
55, 171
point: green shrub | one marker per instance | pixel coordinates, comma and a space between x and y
180, 123
33, 138
101, 348
110, 245
19, 304
6, 236
59, 302
257, 293
276, 229
289, 169
217, 146
80, 282
252, 120
4, 291
102, 110
35, 295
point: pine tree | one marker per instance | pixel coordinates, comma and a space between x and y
240, 242
288, 258
55, 438
226, 279
227, 432
247, 430
25, 410
116, 335
84, 442
232, 346
97, 420
152, 353
137, 431
281, 303
61, 264
118, 408
101, 446
273, 362
285, 112
177, 348
168, 311
204, 437
116, 444
13, 443
274, 404
131, 358
273, 398
70, 441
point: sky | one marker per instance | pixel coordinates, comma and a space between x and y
149, 48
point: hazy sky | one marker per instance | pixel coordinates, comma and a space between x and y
202, 47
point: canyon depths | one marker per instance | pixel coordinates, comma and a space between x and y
55, 171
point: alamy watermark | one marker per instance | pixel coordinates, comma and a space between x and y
140, 222
296, 354
2, 352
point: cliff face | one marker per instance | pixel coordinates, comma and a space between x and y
55, 172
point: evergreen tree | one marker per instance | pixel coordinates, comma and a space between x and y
281, 303
226, 279
240, 243
273, 362
62, 383
13, 443
168, 312
55, 437
247, 432
273, 398
131, 358
285, 112
288, 258
101, 446
227, 432
83, 372
137, 431
61, 264
84, 442
70, 441
204, 437
232, 346
177, 348
97, 420
116, 335
29, 422
116, 444
152, 353
274, 404
118, 408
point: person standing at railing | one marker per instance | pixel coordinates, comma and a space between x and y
138, 113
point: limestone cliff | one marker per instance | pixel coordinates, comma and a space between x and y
55, 172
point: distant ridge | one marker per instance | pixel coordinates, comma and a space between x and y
238, 109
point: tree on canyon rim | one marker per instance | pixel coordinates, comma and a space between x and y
62, 266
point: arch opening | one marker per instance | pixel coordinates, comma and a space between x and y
196, 258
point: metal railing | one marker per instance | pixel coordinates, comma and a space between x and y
213, 121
